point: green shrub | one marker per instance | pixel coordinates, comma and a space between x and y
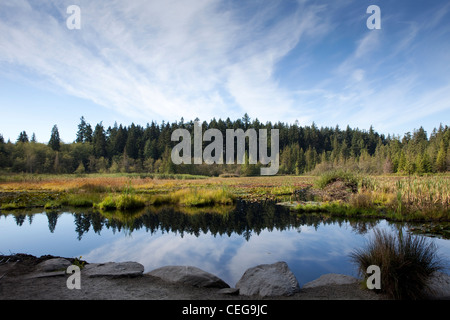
406, 263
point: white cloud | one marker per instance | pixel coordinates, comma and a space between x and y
164, 58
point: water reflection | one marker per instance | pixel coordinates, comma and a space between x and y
244, 219
224, 241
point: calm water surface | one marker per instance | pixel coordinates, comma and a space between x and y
224, 243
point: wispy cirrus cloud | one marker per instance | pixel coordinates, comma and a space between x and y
168, 59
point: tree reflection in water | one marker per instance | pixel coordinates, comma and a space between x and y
245, 218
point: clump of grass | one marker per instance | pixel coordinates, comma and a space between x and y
282, 190
121, 202
128, 202
78, 262
108, 203
193, 197
361, 201
80, 200
406, 263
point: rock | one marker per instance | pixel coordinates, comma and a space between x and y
439, 286
268, 280
331, 279
229, 291
54, 264
189, 275
50, 268
47, 274
113, 269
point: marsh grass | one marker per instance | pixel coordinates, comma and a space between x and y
406, 263
195, 197
393, 197
121, 202
81, 200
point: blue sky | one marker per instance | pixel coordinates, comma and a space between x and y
138, 61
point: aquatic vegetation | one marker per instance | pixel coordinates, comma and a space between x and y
393, 197
441, 230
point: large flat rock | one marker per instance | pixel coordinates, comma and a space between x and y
113, 269
53, 267
189, 275
54, 264
268, 280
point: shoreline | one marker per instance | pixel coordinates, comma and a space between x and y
19, 280
18, 283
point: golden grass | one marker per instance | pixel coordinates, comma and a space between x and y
117, 184
423, 195
426, 196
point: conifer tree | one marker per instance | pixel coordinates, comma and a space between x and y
55, 141
99, 141
23, 137
441, 159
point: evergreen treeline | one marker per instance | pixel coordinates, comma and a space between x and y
302, 150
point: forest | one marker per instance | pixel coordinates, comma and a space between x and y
303, 150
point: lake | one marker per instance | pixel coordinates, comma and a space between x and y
223, 241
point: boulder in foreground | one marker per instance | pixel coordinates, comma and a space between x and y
189, 275
268, 280
54, 264
50, 268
